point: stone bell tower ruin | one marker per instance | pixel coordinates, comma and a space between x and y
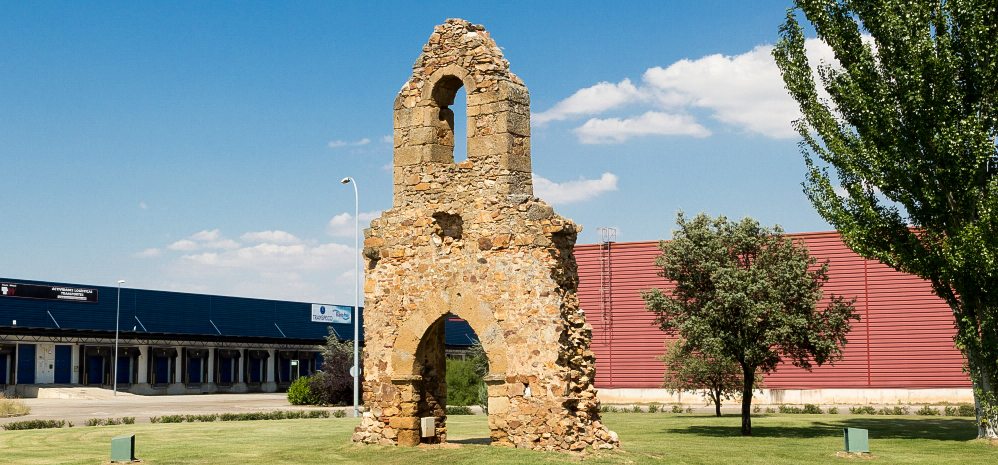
470, 239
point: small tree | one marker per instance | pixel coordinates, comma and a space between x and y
465, 384
717, 379
333, 385
477, 352
747, 293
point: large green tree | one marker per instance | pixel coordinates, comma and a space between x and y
747, 293
909, 130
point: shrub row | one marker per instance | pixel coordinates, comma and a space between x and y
249, 416
807, 409
274, 415
961, 410
652, 408
35, 424
110, 421
459, 410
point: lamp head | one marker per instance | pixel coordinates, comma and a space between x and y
345, 180
121, 281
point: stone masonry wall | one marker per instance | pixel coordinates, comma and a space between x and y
470, 239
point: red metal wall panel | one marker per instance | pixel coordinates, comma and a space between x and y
903, 340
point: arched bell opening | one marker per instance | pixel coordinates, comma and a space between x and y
451, 123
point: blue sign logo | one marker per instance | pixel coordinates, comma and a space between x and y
322, 313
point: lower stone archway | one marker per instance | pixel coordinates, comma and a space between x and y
431, 388
418, 387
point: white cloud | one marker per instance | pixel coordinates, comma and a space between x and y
206, 239
388, 139
305, 272
616, 130
224, 244
207, 235
342, 225
274, 236
151, 252
744, 92
335, 144
183, 245
573, 191
143, 206
273, 264
592, 100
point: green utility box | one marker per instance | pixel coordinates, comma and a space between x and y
857, 440
123, 448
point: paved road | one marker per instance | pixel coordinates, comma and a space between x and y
78, 411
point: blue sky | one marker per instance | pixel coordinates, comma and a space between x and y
197, 146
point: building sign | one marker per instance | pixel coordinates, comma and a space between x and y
331, 314
36, 291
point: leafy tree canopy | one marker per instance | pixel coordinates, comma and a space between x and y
747, 293
908, 131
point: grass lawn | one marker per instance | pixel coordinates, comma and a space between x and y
647, 438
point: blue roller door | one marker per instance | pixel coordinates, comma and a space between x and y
63, 364
25, 364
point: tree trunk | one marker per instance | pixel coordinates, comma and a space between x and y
977, 337
748, 374
985, 396
717, 403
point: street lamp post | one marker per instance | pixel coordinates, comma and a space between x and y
356, 295
117, 317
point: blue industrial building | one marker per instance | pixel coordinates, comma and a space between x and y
168, 342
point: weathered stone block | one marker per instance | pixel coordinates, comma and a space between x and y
514, 92
490, 146
515, 162
408, 437
404, 423
498, 405
438, 154
408, 155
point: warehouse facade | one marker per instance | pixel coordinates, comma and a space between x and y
176, 343
168, 342
901, 350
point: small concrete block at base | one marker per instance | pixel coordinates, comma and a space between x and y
123, 448
428, 427
856, 440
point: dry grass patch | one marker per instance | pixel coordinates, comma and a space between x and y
12, 407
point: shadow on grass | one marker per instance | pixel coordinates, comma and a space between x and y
477, 441
940, 429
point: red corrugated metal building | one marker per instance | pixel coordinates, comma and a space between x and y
903, 340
